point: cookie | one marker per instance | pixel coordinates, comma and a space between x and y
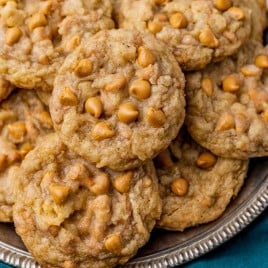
23, 120
198, 31
195, 185
227, 105
32, 47
71, 214
118, 99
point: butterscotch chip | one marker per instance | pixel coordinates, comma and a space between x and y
226, 122
37, 20
262, 61
12, 35
118, 83
59, 193
101, 184
231, 83
102, 131
207, 86
154, 26
64, 212
236, 12
178, 20
145, 57
122, 182
37, 36
141, 89
198, 187
232, 123
156, 118
206, 160
114, 244
83, 68
68, 98
208, 39
94, 106
222, 4
127, 113
130, 106
198, 32
179, 187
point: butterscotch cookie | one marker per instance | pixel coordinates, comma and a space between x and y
195, 185
118, 99
23, 119
34, 41
71, 214
227, 108
198, 31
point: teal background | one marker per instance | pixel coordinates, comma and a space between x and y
247, 249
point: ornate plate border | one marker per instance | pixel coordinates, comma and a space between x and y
218, 235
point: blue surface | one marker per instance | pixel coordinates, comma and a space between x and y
248, 249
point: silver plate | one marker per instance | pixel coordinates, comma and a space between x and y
174, 248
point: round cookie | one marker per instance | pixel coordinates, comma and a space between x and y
198, 31
118, 99
71, 214
195, 185
32, 47
23, 119
227, 105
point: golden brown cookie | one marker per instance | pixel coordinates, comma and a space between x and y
34, 41
118, 99
195, 185
198, 31
227, 109
23, 120
71, 214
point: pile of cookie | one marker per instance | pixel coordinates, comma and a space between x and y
121, 116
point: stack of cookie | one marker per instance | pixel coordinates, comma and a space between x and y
121, 116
